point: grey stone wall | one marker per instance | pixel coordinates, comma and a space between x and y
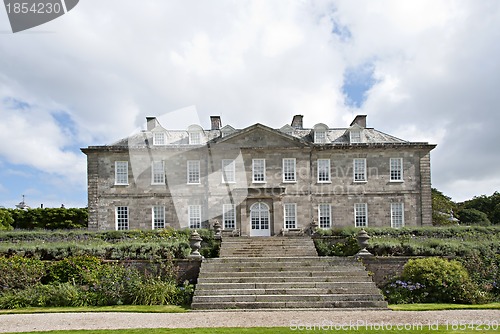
342, 193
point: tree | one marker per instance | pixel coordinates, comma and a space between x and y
442, 207
490, 205
473, 217
6, 220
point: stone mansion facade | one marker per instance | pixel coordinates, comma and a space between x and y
259, 181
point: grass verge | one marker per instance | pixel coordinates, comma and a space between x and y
440, 307
120, 308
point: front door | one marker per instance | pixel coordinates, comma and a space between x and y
259, 220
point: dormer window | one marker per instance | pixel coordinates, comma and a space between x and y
320, 131
355, 136
195, 133
320, 137
194, 138
159, 138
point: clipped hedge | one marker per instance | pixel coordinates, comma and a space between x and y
49, 218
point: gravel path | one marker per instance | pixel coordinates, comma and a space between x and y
330, 320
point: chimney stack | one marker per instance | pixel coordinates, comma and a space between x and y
297, 122
359, 120
216, 122
151, 122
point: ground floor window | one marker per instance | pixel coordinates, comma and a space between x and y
325, 215
229, 216
194, 216
397, 215
122, 218
158, 217
360, 214
290, 215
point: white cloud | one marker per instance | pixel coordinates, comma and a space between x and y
109, 64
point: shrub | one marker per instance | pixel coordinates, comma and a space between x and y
347, 246
441, 280
79, 270
39, 295
473, 217
18, 272
6, 220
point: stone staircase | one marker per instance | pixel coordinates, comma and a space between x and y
282, 273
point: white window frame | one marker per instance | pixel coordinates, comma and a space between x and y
320, 137
193, 172
289, 170
228, 171
259, 169
396, 167
361, 215
397, 215
355, 136
324, 215
159, 138
195, 138
122, 218
359, 169
121, 173
194, 216
327, 168
290, 215
229, 216
158, 217
158, 172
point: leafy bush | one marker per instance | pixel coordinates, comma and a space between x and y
79, 270
473, 217
434, 280
61, 294
18, 272
50, 218
347, 246
6, 220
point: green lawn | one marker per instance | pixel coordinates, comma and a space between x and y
274, 330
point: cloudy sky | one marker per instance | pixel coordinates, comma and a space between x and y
421, 70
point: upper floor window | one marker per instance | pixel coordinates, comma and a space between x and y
320, 137
396, 169
325, 215
159, 138
228, 171
158, 217
193, 172
158, 172
194, 216
323, 170
121, 172
289, 174
360, 215
121, 218
397, 215
355, 136
194, 138
229, 216
290, 215
359, 170
258, 170
320, 132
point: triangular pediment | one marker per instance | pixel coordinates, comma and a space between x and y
260, 136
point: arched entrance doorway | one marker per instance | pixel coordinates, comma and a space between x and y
259, 220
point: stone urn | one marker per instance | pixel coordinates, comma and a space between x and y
363, 238
195, 244
217, 230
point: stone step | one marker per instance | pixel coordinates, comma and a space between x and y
296, 273
292, 304
285, 285
361, 289
263, 266
301, 260
226, 280
286, 298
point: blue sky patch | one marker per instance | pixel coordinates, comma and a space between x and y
15, 104
357, 81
